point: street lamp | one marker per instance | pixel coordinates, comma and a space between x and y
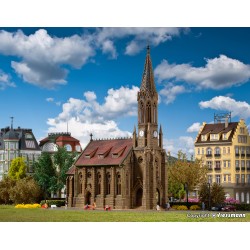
186, 188
209, 196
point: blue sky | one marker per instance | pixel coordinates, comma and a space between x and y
89, 78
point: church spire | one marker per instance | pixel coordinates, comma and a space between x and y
147, 83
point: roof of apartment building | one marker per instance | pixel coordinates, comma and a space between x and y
25, 137
217, 128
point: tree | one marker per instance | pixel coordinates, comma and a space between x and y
63, 160
45, 174
17, 168
5, 186
217, 194
183, 171
26, 191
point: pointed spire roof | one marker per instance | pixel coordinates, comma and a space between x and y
148, 83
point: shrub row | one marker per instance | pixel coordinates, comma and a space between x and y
28, 205
242, 207
58, 203
183, 207
181, 203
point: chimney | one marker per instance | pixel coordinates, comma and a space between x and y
226, 122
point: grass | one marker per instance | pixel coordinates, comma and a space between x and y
12, 214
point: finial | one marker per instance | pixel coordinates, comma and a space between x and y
148, 49
91, 135
11, 121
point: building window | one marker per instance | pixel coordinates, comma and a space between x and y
242, 165
108, 183
203, 137
248, 178
78, 148
242, 139
224, 164
209, 151
242, 151
209, 164
80, 183
217, 178
242, 197
229, 164
237, 166
237, 150
217, 164
217, 151
202, 151
242, 178
247, 197
248, 150
99, 183
224, 136
225, 178
118, 184
229, 178
198, 151
228, 150
68, 147
224, 151
242, 130
237, 178
214, 137
210, 179
237, 197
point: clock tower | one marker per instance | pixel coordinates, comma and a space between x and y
150, 172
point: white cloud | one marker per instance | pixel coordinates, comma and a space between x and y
139, 36
50, 99
194, 128
169, 92
223, 103
218, 73
183, 143
43, 57
89, 116
5, 81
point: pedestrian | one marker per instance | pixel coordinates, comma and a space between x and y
203, 206
167, 206
157, 207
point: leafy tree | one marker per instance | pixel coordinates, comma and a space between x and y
26, 191
45, 173
63, 160
17, 168
217, 194
5, 186
183, 171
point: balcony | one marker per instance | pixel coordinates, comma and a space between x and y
248, 155
217, 168
210, 169
243, 168
237, 168
217, 155
237, 154
242, 155
209, 155
248, 169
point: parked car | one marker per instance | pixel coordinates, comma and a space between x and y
217, 207
229, 208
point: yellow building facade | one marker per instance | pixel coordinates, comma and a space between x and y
225, 149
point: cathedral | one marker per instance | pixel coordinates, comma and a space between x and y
124, 173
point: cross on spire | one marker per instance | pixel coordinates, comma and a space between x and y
11, 121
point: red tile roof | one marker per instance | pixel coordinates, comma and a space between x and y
105, 152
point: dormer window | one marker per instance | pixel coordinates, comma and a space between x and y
214, 137
118, 153
224, 136
90, 154
203, 137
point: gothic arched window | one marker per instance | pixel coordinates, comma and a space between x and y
108, 183
141, 115
118, 184
80, 183
99, 181
148, 112
154, 113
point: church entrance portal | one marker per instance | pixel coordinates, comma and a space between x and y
139, 197
88, 198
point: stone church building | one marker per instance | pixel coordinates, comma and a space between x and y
124, 173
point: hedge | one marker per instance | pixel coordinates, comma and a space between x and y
184, 203
58, 203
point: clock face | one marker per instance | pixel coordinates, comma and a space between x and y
141, 133
155, 133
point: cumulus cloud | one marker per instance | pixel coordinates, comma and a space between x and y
139, 36
183, 143
88, 115
43, 57
5, 81
52, 100
194, 128
170, 91
225, 103
218, 73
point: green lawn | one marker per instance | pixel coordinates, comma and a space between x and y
11, 214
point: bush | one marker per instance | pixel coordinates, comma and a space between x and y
28, 205
181, 203
182, 207
175, 206
242, 207
194, 207
58, 203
